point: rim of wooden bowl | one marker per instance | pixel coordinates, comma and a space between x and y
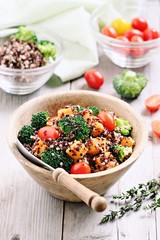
143, 134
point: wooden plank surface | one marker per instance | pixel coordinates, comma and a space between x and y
27, 210
29, 213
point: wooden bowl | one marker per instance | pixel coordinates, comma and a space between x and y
98, 182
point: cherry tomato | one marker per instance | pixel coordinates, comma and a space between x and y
150, 34
136, 38
123, 49
137, 52
121, 25
122, 38
139, 23
153, 102
107, 120
94, 78
48, 132
80, 168
109, 31
133, 32
156, 127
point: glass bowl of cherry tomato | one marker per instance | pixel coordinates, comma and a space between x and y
128, 38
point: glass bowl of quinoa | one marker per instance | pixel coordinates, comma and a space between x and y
27, 59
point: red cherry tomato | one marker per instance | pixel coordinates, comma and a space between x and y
94, 78
122, 38
137, 52
153, 102
123, 49
109, 31
48, 132
136, 38
80, 168
133, 32
150, 34
139, 23
156, 127
107, 120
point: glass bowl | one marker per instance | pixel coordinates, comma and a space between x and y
123, 54
25, 81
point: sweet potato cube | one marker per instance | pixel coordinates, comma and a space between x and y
87, 116
77, 150
93, 145
64, 111
97, 128
127, 142
39, 148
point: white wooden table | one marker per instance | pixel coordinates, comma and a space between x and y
27, 212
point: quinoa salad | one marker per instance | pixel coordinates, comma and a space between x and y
79, 139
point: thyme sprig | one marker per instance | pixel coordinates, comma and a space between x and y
133, 199
153, 206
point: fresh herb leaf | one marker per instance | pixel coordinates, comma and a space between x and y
134, 198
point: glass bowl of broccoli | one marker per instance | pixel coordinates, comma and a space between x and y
124, 45
39, 111
27, 59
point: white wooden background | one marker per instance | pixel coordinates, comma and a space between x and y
27, 212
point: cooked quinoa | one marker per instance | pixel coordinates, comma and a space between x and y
19, 54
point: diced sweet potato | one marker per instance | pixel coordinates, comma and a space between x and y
77, 150
97, 128
101, 161
93, 145
127, 142
98, 161
39, 148
87, 116
64, 111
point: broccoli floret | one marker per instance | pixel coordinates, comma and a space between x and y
25, 134
121, 152
123, 126
39, 120
95, 110
47, 49
129, 84
25, 34
79, 108
75, 126
57, 158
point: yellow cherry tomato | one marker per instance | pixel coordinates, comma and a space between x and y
121, 25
